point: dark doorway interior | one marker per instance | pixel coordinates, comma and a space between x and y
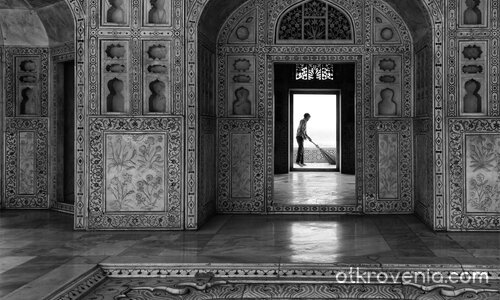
285, 81
65, 92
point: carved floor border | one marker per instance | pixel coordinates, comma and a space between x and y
283, 281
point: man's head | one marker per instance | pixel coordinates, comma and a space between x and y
307, 116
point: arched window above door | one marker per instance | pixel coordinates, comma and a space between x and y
314, 21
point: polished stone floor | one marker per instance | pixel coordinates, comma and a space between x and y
314, 188
313, 166
39, 251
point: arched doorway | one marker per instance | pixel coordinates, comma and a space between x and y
382, 27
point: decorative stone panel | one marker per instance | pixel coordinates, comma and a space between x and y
26, 170
473, 79
241, 97
157, 14
26, 80
157, 92
388, 156
135, 173
474, 189
241, 166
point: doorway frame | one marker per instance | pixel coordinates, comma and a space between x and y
275, 57
291, 126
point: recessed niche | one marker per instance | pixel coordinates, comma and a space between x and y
157, 100
157, 52
242, 106
241, 86
157, 12
157, 77
473, 13
28, 66
473, 78
115, 99
115, 51
28, 105
116, 12
387, 86
115, 68
387, 106
472, 98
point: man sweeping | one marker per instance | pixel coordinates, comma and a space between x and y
301, 136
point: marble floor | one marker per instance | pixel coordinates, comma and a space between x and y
313, 166
314, 188
39, 251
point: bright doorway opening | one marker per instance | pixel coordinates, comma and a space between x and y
322, 152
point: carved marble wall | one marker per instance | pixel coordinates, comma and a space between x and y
454, 110
26, 135
133, 118
472, 89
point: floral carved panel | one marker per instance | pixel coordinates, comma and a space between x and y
26, 163
241, 165
392, 191
136, 173
238, 192
482, 173
473, 168
26, 176
388, 166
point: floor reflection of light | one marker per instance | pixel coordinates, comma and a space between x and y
314, 241
322, 242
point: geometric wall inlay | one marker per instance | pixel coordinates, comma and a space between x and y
26, 168
135, 173
473, 170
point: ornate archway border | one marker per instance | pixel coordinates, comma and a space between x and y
79, 14
435, 12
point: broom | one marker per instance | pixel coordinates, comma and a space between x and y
326, 155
